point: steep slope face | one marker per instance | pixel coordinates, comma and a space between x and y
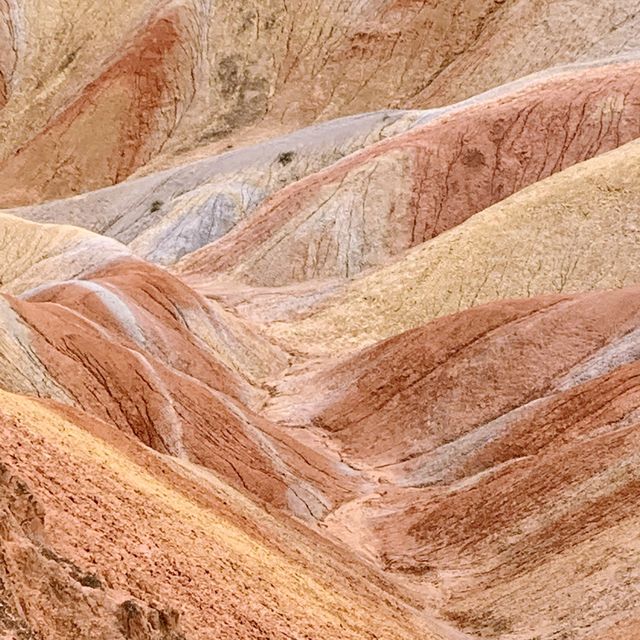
155, 529
33, 575
574, 231
412, 187
556, 501
504, 442
82, 107
167, 214
8, 52
161, 79
133, 345
560, 508
137, 348
471, 47
421, 389
531, 36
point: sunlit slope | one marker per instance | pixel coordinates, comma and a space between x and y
367, 208
34, 574
158, 530
575, 231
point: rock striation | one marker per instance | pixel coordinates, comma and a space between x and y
319, 320
101, 91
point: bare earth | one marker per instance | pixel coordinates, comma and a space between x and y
319, 321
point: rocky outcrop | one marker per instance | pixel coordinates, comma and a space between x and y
44, 595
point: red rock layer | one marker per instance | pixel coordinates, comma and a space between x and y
148, 528
438, 175
219, 74
551, 499
120, 119
124, 347
429, 386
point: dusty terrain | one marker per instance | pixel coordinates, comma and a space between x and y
319, 320
133, 83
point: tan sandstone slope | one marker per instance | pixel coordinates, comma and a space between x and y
102, 89
320, 320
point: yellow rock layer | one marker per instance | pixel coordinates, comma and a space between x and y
576, 231
115, 510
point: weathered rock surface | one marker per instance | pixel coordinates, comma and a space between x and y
158, 80
135, 347
424, 388
44, 595
171, 532
375, 378
178, 210
575, 231
32, 254
367, 208
504, 443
